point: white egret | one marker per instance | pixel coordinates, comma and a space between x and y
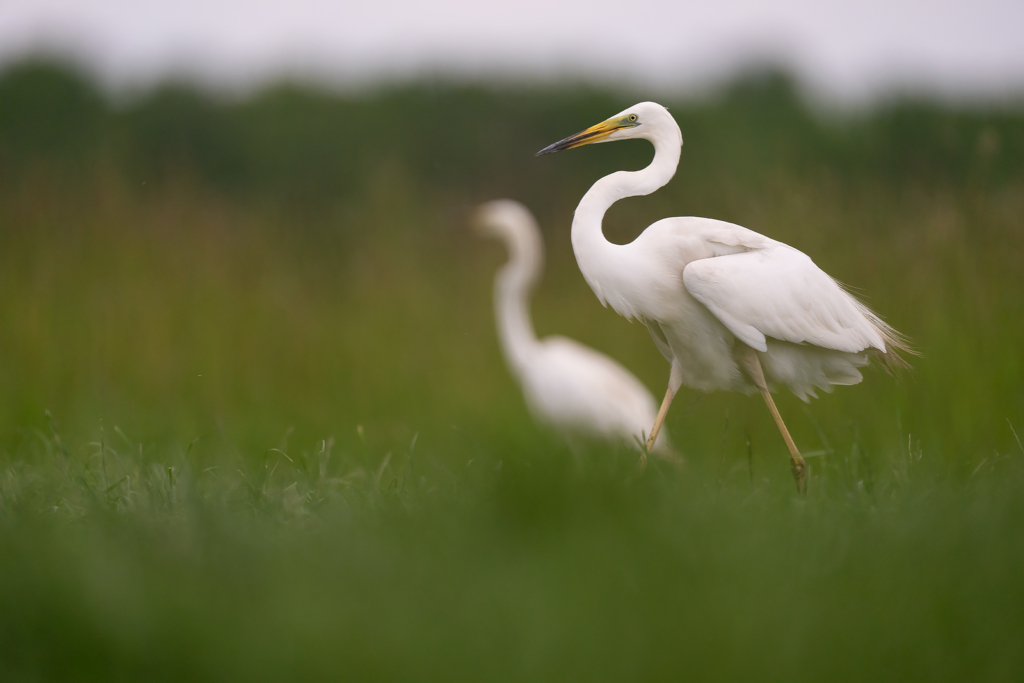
729, 308
574, 389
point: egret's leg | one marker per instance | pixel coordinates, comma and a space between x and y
796, 461
750, 362
662, 412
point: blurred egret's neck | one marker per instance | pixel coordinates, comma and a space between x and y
593, 251
513, 287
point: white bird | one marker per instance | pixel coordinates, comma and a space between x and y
568, 386
729, 308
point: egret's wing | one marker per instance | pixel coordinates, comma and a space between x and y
779, 292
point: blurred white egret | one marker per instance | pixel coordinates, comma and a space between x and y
568, 386
728, 308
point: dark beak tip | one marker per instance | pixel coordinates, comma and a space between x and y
550, 149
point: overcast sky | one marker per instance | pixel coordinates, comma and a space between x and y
847, 51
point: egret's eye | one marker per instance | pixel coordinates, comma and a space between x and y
631, 118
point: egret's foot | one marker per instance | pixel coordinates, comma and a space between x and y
648, 445
799, 469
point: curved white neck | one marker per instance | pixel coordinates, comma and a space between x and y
588, 240
513, 287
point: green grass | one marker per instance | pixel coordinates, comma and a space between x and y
325, 563
254, 424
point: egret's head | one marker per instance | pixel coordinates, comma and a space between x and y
503, 218
647, 120
512, 223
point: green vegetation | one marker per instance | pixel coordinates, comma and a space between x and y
254, 424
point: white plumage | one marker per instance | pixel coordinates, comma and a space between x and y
568, 386
728, 308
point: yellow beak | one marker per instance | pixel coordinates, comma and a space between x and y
597, 133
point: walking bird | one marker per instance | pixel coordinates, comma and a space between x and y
730, 309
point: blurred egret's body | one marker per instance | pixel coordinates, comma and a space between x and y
568, 386
728, 308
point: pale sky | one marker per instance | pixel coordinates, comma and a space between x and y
843, 51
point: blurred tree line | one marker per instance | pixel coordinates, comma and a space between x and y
311, 149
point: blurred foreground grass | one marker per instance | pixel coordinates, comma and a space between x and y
367, 566
254, 423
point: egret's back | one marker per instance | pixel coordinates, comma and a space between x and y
722, 283
578, 390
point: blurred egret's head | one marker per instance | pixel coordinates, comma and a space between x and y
647, 120
501, 217
513, 224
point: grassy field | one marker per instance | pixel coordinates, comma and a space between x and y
254, 424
